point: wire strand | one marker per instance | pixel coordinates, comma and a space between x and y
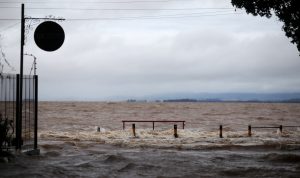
124, 9
150, 17
9, 27
121, 9
186, 15
91, 2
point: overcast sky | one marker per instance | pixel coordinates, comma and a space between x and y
136, 53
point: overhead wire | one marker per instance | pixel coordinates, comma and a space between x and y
125, 9
138, 18
9, 19
120, 9
9, 27
181, 15
91, 2
150, 17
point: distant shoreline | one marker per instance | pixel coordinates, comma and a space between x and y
233, 101
180, 101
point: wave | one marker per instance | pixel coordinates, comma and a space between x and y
288, 158
188, 138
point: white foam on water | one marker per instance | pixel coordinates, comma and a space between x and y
188, 138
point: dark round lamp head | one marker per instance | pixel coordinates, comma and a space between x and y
49, 36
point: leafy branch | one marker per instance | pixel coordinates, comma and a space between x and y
6, 131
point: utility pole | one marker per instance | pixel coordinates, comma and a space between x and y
20, 93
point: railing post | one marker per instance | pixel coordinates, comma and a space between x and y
175, 131
36, 112
153, 125
133, 130
183, 125
221, 134
280, 128
249, 131
123, 125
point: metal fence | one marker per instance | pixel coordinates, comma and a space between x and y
19, 116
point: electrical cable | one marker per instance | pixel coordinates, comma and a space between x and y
148, 17
91, 2
8, 27
187, 15
121, 9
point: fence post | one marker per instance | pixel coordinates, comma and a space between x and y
221, 134
183, 125
133, 130
98, 129
153, 125
249, 131
175, 131
35, 112
280, 128
18, 119
123, 125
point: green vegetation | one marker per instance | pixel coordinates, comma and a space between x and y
287, 11
6, 132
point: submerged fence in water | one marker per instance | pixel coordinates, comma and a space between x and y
18, 115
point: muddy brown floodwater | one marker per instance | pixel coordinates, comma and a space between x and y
71, 146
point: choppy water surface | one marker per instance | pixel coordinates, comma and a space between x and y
71, 146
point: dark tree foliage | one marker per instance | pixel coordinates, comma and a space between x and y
286, 10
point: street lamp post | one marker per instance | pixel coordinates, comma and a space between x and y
19, 100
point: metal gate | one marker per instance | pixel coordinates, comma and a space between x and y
18, 116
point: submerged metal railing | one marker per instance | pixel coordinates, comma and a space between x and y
280, 127
153, 122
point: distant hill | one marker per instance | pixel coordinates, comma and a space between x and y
228, 97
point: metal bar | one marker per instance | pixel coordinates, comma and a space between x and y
29, 104
266, 127
133, 130
149, 121
24, 102
153, 122
36, 112
14, 100
249, 131
45, 18
9, 97
175, 131
5, 98
280, 128
18, 130
221, 134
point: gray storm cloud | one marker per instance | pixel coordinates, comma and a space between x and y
133, 58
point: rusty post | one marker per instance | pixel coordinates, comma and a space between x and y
280, 128
133, 130
221, 134
249, 131
175, 131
